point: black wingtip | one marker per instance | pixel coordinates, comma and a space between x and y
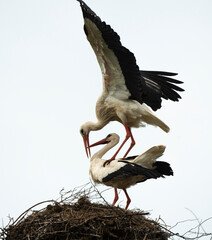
161, 73
87, 12
82, 3
160, 84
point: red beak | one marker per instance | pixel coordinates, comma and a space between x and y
103, 141
86, 143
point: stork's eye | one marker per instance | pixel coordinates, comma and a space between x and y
82, 132
109, 135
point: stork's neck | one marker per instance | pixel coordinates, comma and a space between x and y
95, 126
105, 149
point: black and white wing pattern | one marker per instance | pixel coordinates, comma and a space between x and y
119, 69
133, 169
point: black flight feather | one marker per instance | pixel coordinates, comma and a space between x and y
164, 168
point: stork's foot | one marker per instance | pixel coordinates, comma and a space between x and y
107, 162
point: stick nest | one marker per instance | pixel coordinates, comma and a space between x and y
75, 216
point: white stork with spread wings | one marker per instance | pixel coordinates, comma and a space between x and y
123, 173
126, 90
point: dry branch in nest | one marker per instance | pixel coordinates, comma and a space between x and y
75, 216
83, 213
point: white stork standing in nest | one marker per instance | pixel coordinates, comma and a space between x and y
123, 173
126, 90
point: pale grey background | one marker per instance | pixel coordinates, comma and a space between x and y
49, 84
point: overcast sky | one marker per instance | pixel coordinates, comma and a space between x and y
50, 81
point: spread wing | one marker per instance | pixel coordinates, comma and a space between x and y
121, 75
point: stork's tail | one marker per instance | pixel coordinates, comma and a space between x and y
153, 120
161, 124
148, 158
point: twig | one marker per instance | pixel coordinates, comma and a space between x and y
200, 225
25, 212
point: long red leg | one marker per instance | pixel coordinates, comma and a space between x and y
116, 197
128, 199
132, 141
128, 135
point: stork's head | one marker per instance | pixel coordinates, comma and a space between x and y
111, 138
84, 131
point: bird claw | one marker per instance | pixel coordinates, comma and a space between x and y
107, 162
